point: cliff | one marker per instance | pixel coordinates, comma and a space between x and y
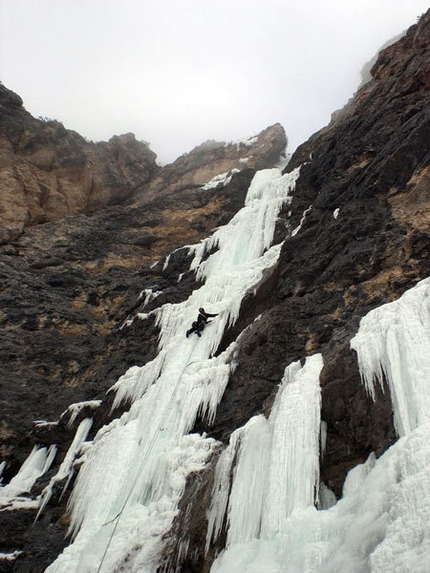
93, 231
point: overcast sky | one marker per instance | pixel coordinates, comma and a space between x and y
179, 72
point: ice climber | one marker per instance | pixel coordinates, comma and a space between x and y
195, 327
203, 316
199, 324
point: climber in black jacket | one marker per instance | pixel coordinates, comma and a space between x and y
195, 327
203, 316
199, 324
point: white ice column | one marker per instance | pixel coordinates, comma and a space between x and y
394, 341
277, 461
295, 421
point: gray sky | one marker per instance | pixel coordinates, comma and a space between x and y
178, 72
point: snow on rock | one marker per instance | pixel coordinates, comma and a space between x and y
10, 556
220, 181
246, 141
74, 410
393, 342
302, 220
149, 295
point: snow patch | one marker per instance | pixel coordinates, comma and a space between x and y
302, 220
220, 181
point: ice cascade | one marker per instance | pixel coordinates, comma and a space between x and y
133, 473
393, 344
38, 462
277, 462
382, 522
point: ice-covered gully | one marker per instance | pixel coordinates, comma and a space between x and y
267, 486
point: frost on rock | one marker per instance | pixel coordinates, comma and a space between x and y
393, 343
149, 295
246, 142
302, 220
133, 475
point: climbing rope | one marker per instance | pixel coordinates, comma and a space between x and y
144, 460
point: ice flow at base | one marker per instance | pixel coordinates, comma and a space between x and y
382, 522
277, 461
134, 472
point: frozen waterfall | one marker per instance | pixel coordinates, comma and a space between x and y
133, 473
277, 462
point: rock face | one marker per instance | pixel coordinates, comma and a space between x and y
69, 285
363, 194
47, 172
70, 277
213, 158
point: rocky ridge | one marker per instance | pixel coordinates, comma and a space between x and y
362, 208
48, 172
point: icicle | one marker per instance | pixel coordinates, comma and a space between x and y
221, 488
149, 296
381, 523
2, 468
66, 468
37, 463
323, 437
74, 409
247, 497
326, 498
393, 341
294, 466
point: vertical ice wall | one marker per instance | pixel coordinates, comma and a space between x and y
277, 462
394, 342
134, 472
